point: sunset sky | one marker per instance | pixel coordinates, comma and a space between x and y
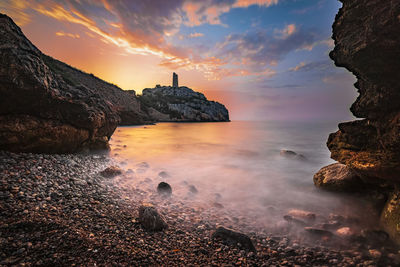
263, 59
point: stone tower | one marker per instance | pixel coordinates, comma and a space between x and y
175, 80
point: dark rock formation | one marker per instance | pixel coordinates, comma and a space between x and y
150, 219
231, 237
338, 177
166, 103
48, 106
367, 43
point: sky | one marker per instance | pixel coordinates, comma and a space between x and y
263, 59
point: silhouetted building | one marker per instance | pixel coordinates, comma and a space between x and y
175, 80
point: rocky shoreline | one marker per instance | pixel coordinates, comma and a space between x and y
59, 210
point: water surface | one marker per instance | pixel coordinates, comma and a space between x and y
235, 164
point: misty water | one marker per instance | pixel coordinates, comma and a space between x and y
236, 165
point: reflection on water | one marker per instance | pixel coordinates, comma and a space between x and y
235, 164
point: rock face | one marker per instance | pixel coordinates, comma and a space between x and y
48, 106
367, 43
166, 103
337, 177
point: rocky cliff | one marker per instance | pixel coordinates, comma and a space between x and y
367, 43
48, 106
166, 103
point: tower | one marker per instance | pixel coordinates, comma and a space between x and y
175, 80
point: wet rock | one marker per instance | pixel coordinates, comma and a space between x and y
345, 232
231, 237
337, 177
111, 172
164, 188
292, 155
150, 219
303, 215
193, 189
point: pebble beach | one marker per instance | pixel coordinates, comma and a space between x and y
58, 210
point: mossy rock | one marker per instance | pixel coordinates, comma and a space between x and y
390, 217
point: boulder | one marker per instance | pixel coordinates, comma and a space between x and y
337, 177
164, 189
231, 237
150, 219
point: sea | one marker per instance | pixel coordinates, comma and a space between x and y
236, 165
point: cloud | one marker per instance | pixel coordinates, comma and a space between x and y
67, 34
259, 50
196, 35
286, 32
16, 9
209, 11
316, 65
145, 29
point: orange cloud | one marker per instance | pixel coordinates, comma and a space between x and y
286, 32
298, 67
246, 3
67, 34
145, 31
16, 9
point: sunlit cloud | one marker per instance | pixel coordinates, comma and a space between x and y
146, 29
16, 9
286, 32
298, 67
67, 34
